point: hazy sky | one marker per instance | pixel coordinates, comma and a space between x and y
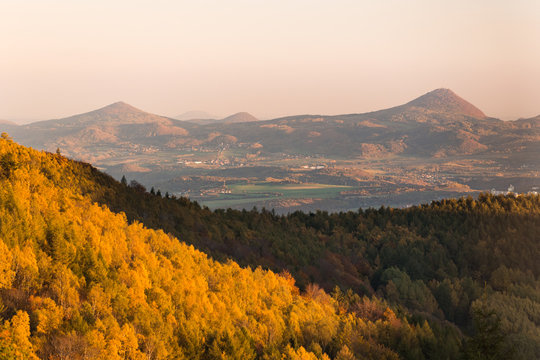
270, 58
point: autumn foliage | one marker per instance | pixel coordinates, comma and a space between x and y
79, 281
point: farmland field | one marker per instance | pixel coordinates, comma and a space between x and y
245, 194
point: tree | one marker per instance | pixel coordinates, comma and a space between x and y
137, 186
345, 354
488, 340
8, 164
15, 338
6, 273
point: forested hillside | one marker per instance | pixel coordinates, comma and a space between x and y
77, 281
81, 277
443, 261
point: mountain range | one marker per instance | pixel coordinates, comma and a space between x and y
439, 124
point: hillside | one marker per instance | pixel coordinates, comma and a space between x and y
8, 125
7, 122
531, 123
442, 265
78, 281
451, 260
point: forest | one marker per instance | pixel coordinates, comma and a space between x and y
93, 268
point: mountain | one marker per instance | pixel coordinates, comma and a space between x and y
116, 125
234, 118
437, 124
240, 117
118, 113
446, 101
195, 115
83, 276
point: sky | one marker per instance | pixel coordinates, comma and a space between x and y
270, 58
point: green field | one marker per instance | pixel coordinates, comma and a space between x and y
246, 194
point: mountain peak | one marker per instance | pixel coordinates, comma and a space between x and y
119, 107
114, 114
445, 100
239, 117
194, 115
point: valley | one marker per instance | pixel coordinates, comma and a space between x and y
222, 179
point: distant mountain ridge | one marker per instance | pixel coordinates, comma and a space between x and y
239, 117
194, 115
436, 124
234, 118
7, 122
113, 114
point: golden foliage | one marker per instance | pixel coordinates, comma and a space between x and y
98, 287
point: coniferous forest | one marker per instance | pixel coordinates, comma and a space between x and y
92, 268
